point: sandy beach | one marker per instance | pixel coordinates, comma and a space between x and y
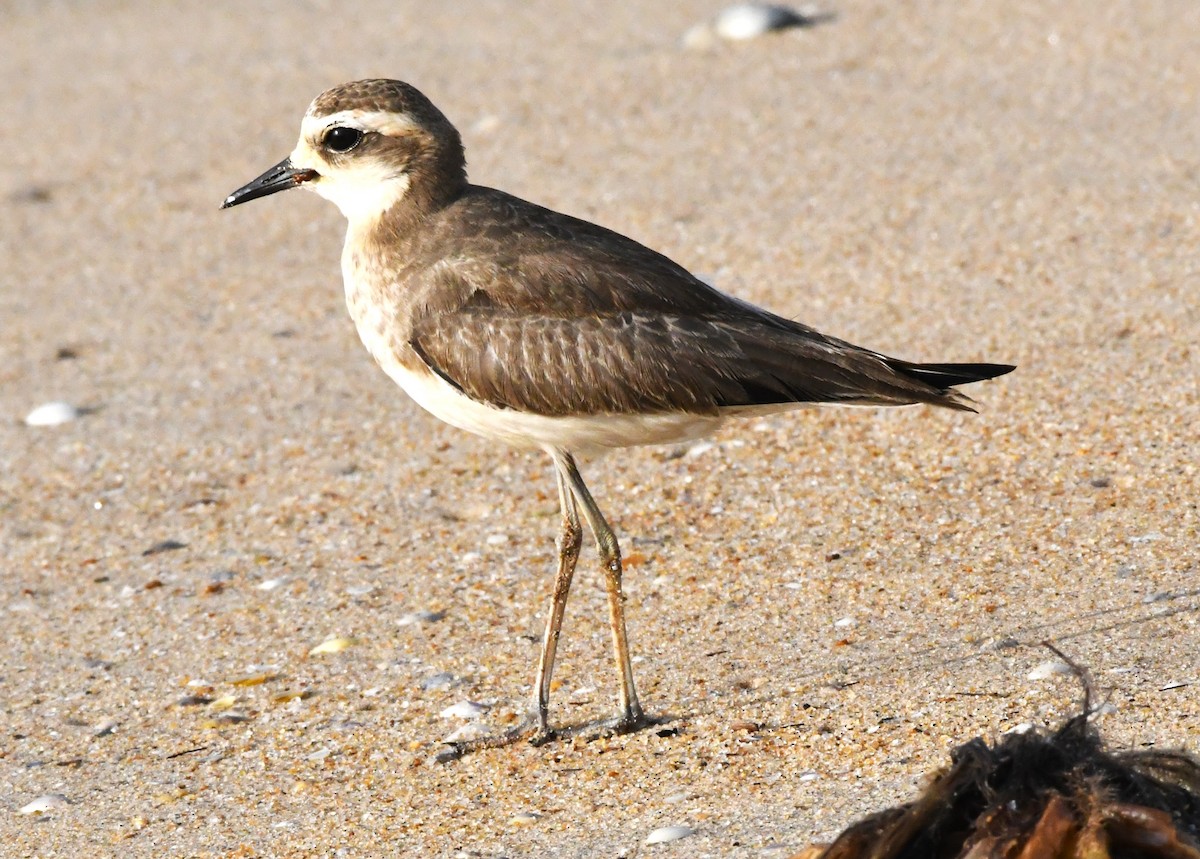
822, 604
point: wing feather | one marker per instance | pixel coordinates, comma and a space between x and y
548, 314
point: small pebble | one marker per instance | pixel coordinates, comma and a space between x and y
44, 803
193, 701
464, 710
271, 584
497, 539
105, 728
51, 414
665, 834
420, 617
230, 718
333, 645
1048, 669
31, 194
441, 680
164, 546
486, 124
293, 695
524, 818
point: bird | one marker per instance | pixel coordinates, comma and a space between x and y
544, 331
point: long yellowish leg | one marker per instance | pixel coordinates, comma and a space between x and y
630, 716
569, 540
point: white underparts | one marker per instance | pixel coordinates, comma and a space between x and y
523, 429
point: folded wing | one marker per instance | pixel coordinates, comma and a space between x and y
645, 362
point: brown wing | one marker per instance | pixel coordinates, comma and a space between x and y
632, 362
591, 365
545, 313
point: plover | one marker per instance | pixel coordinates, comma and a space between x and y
541, 330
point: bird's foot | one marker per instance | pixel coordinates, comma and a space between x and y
626, 723
531, 730
537, 733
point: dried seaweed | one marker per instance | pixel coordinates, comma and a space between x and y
1035, 795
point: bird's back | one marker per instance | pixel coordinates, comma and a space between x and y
524, 308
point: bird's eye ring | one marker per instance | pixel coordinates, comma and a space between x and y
341, 138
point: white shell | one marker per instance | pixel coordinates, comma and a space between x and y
422, 616
52, 414
44, 803
1048, 669
669, 833
465, 710
333, 645
750, 20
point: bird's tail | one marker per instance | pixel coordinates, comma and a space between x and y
945, 376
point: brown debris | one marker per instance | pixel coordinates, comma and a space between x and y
1033, 796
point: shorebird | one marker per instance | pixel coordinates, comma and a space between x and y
541, 330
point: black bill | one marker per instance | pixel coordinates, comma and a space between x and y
279, 178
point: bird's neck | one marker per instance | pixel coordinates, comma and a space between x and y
391, 216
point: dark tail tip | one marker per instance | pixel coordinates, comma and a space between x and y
948, 375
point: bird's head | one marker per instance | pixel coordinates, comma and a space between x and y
370, 146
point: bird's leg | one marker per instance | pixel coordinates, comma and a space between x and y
572, 494
631, 716
536, 728
569, 541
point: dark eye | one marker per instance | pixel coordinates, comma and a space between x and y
342, 139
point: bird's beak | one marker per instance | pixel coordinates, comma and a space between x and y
279, 178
